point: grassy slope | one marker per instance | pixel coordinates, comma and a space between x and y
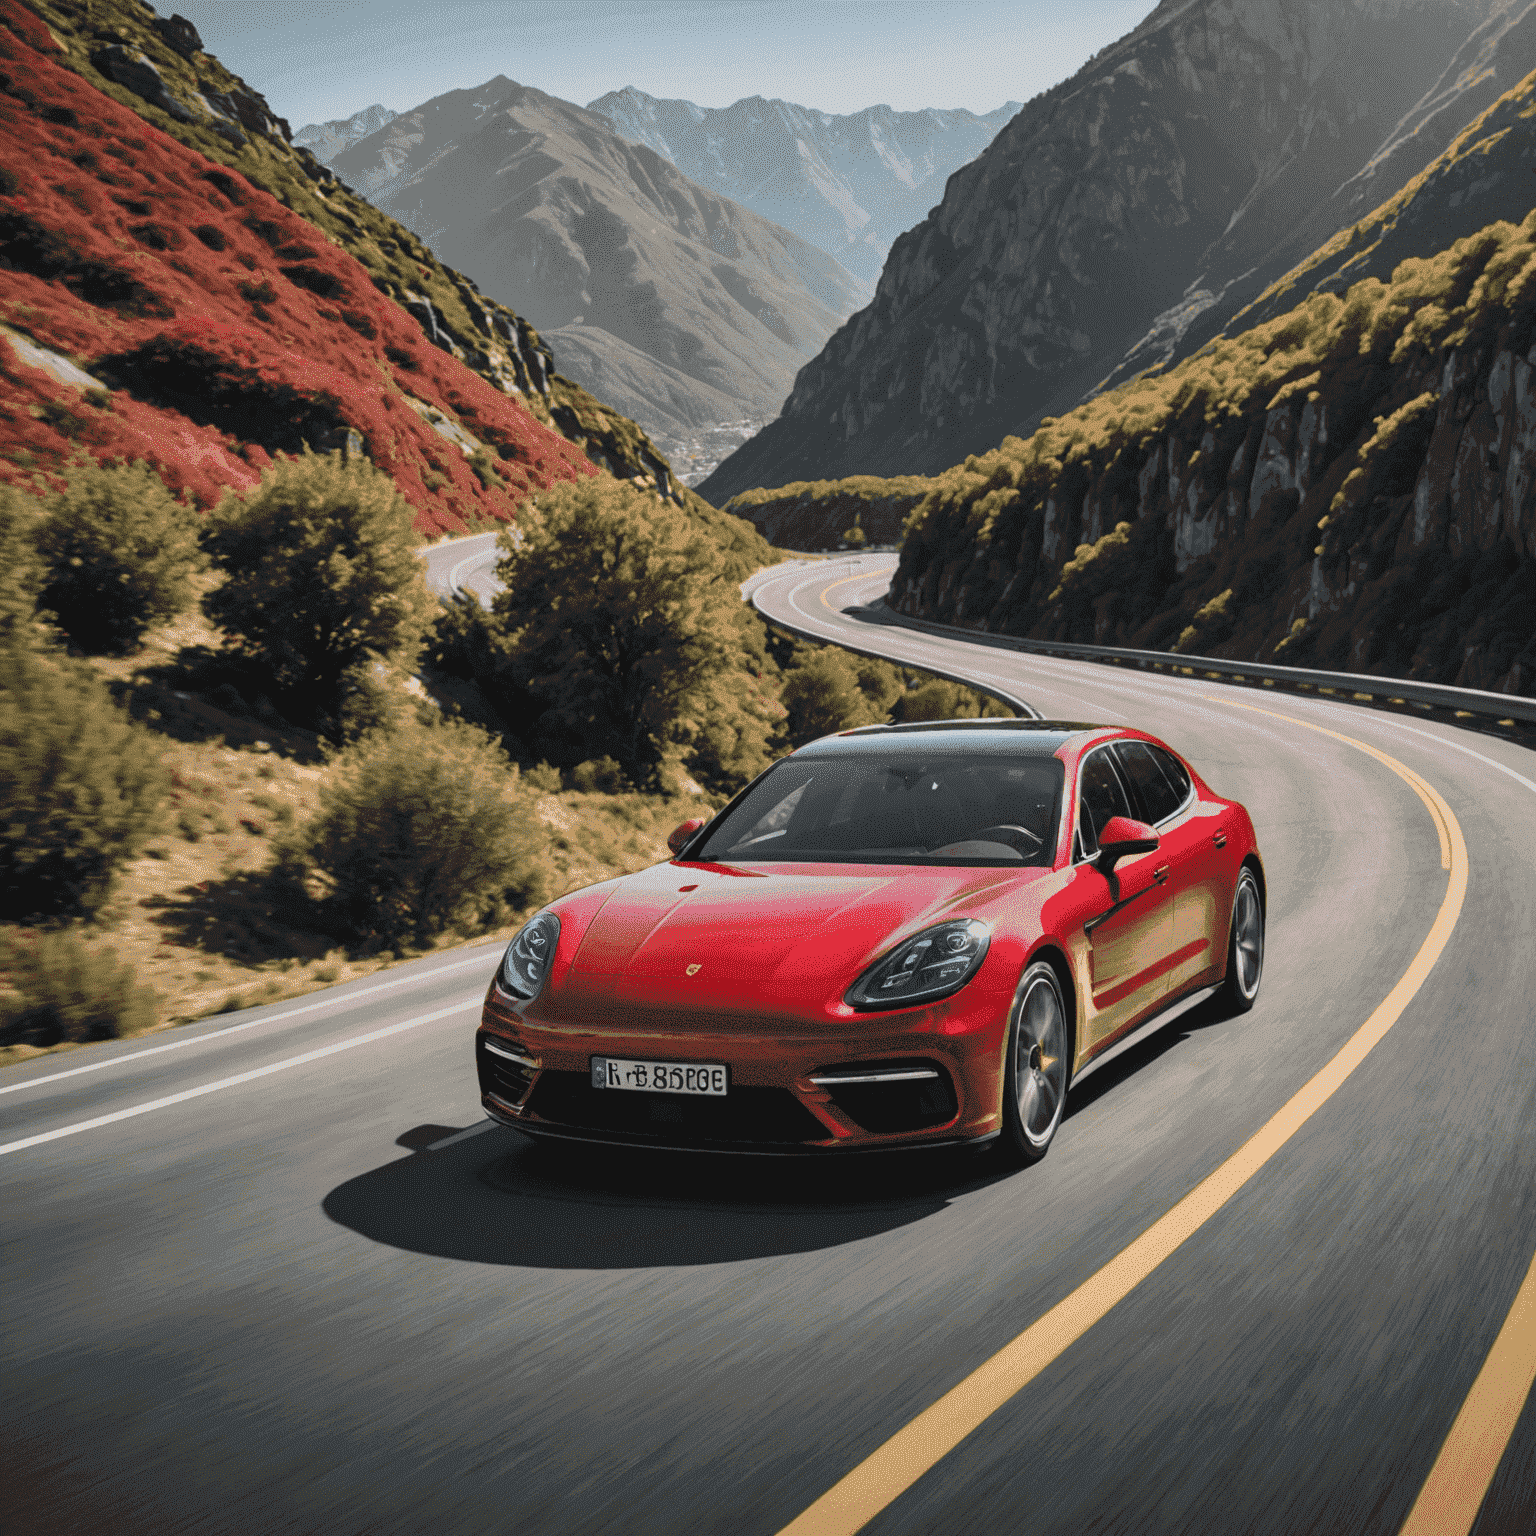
394, 258
193, 916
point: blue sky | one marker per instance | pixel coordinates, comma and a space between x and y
329, 58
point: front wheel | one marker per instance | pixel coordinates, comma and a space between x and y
1037, 1067
1245, 948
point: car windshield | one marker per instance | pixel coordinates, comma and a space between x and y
954, 808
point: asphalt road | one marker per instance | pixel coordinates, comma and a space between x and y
264, 1307
463, 566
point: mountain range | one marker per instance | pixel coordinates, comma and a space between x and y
677, 305
848, 183
1115, 209
327, 140
1346, 481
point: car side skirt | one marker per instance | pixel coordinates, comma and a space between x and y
1173, 1010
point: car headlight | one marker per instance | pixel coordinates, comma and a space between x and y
526, 962
931, 964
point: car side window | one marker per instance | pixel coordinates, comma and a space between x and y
1100, 795
1149, 782
1177, 774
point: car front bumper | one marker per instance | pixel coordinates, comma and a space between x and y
932, 1074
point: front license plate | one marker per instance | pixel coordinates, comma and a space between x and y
659, 1076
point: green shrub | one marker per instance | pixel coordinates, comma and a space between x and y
419, 831
937, 699
599, 775
116, 549
320, 578
81, 786
543, 779
621, 633
62, 989
822, 694
19, 575
827, 690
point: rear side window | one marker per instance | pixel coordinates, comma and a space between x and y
1177, 773
1100, 796
1144, 770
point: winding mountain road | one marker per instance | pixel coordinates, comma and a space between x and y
1270, 1268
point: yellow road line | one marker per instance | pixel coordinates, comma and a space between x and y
1457, 1483
861, 576
894, 1467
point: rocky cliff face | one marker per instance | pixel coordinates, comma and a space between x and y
1347, 484
1241, 286
1426, 566
676, 304
327, 140
848, 183
1213, 129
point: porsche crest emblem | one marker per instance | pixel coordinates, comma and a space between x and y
693, 970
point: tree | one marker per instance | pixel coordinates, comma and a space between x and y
821, 693
321, 577
623, 621
117, 549
422, 829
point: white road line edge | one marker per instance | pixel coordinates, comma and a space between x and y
1445, 741
235, 1081
271, 1018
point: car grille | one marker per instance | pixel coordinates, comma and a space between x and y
886, 1108
506, 1080
745, 1115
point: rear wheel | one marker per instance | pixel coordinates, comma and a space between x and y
1245, 948
1037, 1067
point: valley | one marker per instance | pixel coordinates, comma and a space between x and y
408, 521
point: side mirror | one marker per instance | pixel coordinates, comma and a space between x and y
683, 833
1121, 838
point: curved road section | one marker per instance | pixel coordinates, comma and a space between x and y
275, 1273
463, 567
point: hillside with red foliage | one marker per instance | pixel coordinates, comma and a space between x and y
224, 327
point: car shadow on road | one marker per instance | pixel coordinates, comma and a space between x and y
1109, 1077
498, 1199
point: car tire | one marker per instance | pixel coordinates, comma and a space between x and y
1245, 946
1037, 1066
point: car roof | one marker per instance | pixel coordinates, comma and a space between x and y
1016, 738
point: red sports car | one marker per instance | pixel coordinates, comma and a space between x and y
899, 936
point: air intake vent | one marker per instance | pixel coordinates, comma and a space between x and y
505, 1072
890, 1096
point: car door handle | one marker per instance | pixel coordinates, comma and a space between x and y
1160, 874
1220, 839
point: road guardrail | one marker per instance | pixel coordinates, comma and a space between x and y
1351, 686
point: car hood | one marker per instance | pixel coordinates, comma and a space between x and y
801, 921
